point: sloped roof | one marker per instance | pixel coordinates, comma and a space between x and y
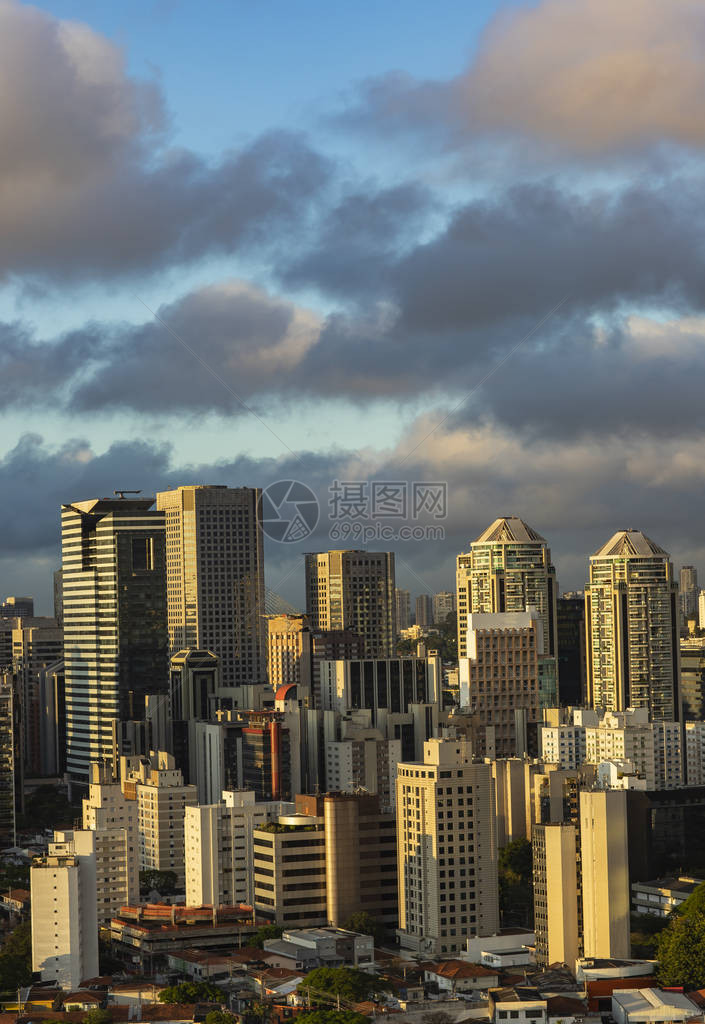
509, 530
629, 543
461, 969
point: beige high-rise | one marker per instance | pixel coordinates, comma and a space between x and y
353, 590
632, 624
447, 849
556, 901
605, 874
215, 576
288, 651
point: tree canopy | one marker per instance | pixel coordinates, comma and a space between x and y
16, 959
192, 992
165, 882
516, 892
267, 931
97, 1016
681, 952
351, 985
220, 1017
365, 924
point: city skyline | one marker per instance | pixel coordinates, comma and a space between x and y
345, 220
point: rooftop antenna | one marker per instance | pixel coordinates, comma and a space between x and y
121, 494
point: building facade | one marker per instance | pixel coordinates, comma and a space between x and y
353, 590
215, 576
632, 621
447, 849
115, 624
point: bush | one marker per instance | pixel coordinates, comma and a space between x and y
192, 992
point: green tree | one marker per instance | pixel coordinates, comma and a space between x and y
645, 929
516, 889
695, 904
48, 807
681, 952
220, 1017
165, 882
192, 992
267, 931
16, 959
97, 1016
332, 1017
349, 984
365, 924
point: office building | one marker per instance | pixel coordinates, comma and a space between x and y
604, 861
402, 609
572, 663
36, 644
508, 569
115, 635
17, 608
556, 898
688, 587
215, 576
692, 652
162, 798
353, 590
266, 756
64, 915
632, 625
447, 849
424, 610
289, 652
218, 847
443, 605
500, 676
695, 753
382, 684
344, 849
363, 760
332, 645
52, 719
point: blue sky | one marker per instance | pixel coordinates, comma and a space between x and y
457, 242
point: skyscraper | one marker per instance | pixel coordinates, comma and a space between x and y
424, 610
353, 590
632, 627
215, 576
115, 626
508, 569
443, 606
572, 669
402, 602
688, 581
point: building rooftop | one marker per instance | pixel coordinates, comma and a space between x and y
461, 969
630, 543
643, 1000
682, 884
509, 530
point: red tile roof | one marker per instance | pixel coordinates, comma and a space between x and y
461, 969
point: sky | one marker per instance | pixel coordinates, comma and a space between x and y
383, 245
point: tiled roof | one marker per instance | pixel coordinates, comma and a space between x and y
509, 530
629, 543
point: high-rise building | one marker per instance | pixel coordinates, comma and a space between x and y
37, 643
447, 849
11, 775
604, 860
353, 590
632, 625
289, 651
215, 576
17, 608
345, 855
64, 915
162, 799
363, 760
556, 897
509, 569
381, 684
114, 819
443, 606
688, 586
424, 610
500, 676
402, 605
218, 848
701, 609
572, 665
332, 645
266, 756
115, 625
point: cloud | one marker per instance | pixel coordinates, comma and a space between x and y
581, 77
88, 184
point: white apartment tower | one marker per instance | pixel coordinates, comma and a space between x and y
632, 628
353, 590
64, 915
446, 848
508, 569
115, 625
215, 576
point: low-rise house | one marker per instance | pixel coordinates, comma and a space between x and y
521, 1004
75, 1001
653, 1006
661, 895
458, 976
16, 901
